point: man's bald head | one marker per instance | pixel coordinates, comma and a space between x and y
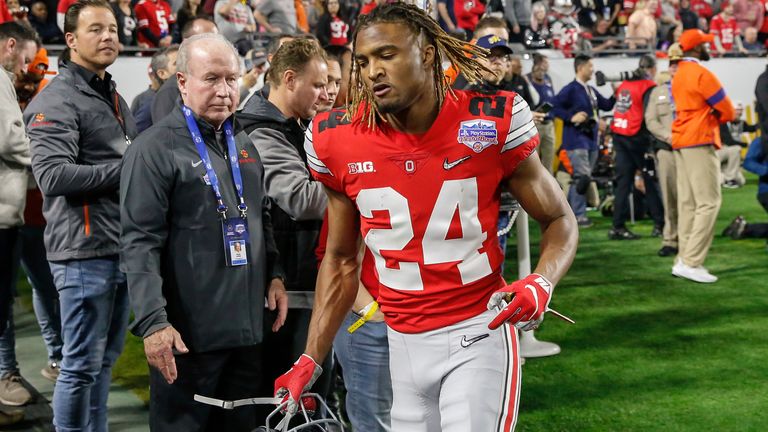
198, 26
203, 45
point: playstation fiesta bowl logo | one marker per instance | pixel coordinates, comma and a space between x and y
478, 134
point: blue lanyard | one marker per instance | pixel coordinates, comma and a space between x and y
233, 162
671, 100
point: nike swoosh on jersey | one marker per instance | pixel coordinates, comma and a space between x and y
448, 165
197, 164
465, 343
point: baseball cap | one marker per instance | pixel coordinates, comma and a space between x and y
39, 64
492, 41
674, 52
692, 38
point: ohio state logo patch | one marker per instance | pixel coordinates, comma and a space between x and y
478, 134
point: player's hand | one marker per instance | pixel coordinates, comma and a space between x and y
159, 350
522, 302
298, 379
538, 117
579, 117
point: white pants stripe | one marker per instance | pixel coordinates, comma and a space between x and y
461, 378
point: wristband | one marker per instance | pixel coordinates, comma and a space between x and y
366, 314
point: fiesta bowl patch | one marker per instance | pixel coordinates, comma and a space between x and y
478, 134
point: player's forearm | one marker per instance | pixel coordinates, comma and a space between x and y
337, 284
559, 240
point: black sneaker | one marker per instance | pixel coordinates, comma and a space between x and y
735, 229
657, 231
666, 251
622, 234
731, 184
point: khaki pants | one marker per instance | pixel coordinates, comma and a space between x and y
730, 158
698, 201
665, 169
547, 144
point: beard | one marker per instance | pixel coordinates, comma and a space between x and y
705, 55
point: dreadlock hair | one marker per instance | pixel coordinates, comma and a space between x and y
446, 46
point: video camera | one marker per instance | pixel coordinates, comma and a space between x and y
646, 62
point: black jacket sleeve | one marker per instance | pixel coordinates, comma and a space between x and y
145, 189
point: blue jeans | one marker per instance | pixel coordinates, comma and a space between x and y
45, 300
94, 316
582, 161
364, 359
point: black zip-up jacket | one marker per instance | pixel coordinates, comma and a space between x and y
77, 142
171, 242
298, 201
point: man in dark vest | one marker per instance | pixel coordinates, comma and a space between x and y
631, 142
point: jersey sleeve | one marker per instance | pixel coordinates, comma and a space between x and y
169, 15
522, 138
142, 16
317, 165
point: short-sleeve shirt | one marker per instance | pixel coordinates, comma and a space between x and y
428, 203
155, 15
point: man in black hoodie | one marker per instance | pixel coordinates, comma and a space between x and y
275, 123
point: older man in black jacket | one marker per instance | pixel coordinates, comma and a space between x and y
192, 201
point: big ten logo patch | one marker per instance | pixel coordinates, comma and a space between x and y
361, 167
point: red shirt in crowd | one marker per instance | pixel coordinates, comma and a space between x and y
339, 30
5, 14
725, 29
155, 15
764, 28
702, 8
468, 13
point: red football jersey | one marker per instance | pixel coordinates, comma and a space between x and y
428, 204
724, 29
155, 15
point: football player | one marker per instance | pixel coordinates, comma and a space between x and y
415, 168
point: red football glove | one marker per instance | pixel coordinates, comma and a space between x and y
298, 379
522, 302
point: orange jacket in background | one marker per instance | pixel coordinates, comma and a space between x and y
301, 16
700, 106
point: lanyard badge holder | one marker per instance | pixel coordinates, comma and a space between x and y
234, 231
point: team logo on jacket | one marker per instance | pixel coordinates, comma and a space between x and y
623, 101
244, 154
478, 134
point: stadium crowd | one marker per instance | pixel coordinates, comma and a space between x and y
92, 211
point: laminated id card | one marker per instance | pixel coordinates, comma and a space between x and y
236, 242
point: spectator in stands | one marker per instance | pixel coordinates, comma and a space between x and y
659, 113
671, 37
18, 45
234, 18
445, 15
256, 65
20, 13
542, 83
726, 31
642, 26
155, 23
168, 93
189, 10
38, 18
578, 105
538, 35
565, 28
276, 16
748, 13
751, 43
190, 292
755, 162
631, 145
162, 68
669, 18
518, 16
731, 134
79, 129
126, 23
608, 37
468, 13
762, 32
333, 27
703, 9
700, 106
5, 14
688, 17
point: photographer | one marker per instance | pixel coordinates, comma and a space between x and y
632, 144
577, 105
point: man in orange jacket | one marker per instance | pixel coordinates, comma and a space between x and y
700, 106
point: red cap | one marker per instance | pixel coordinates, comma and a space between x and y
692, 38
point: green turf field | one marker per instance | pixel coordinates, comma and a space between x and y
649, 351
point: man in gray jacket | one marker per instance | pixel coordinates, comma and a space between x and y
197, 248
18, 46
79, 128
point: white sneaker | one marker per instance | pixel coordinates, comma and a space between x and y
696, 274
